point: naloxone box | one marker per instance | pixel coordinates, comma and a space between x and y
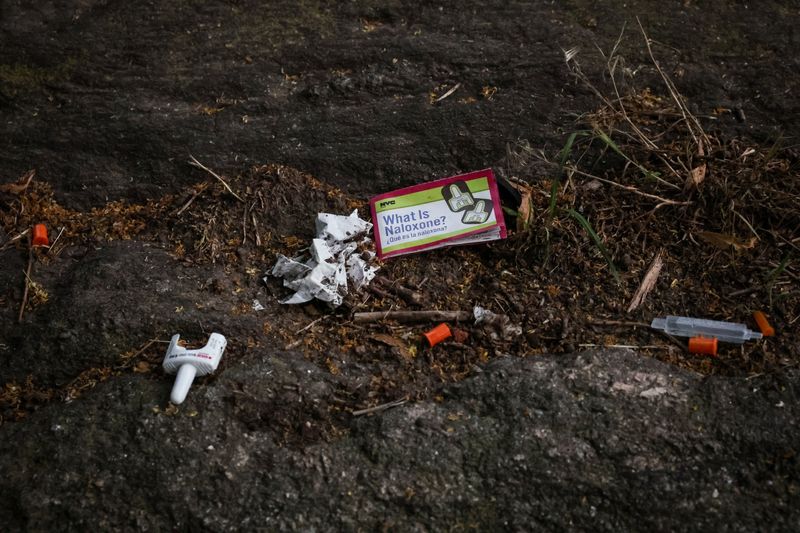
452, 211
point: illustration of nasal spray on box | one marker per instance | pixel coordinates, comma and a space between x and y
190, 363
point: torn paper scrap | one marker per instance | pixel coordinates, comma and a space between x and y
289, 268
334, 260
359, 272
341, 228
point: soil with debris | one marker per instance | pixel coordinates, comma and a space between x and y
685, 151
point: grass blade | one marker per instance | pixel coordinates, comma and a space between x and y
649, 174
611, 144
563, 155
597, 241
773, 275
565, 151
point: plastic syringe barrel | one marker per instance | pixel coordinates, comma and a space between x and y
684, 326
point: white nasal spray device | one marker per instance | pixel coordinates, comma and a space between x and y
190, 363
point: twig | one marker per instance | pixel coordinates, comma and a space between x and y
255, 226
675, 341
27, 284
311, 324
194, 162
412, 316
381, 407
664, 201
649, 143
379, 292
53, 245
609, 60
20, 185
244, 225
674, 92
411, 297
448, 93
197, 193
293, 345
141, 350
742, 292
15, 238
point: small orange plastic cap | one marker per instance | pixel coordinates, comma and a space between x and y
763, 324
703, 345
40, 235
438, 334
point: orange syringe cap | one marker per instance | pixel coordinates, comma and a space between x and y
763, 324
40, 235
438, 334
703, 345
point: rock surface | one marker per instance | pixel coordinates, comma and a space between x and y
600, 441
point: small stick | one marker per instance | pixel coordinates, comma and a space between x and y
448, 93
19, 186
664, 201
674, 92
15, 238
141, 350
379, 292
406, 294
311, 324
244, 226
27, 284
255, 226
293, 345
197, 193
412, 316
381, 407
742, 292
195, 163
52, 246
675, 341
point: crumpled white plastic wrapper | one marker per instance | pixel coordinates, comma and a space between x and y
500, 323
332, 264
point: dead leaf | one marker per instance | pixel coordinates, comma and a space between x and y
648, 282
142, 367
525, 211
720, 240
20, 185
393, 341
698, 173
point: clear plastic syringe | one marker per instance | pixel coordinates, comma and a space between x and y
684, 326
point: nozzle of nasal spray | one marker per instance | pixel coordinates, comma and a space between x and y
190, 363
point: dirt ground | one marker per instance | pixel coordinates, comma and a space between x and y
690, 154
